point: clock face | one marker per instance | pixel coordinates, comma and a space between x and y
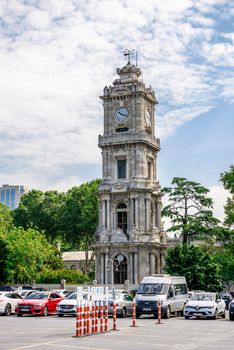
121, 115
147, 118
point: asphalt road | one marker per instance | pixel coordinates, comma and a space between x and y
50, 333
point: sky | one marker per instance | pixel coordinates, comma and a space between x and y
56, 56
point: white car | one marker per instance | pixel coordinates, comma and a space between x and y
8, 302
204, 304
62, 292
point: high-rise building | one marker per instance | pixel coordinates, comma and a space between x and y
10, 195
129, 242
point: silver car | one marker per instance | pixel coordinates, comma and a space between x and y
124, 303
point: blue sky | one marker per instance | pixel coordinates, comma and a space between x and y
56, 56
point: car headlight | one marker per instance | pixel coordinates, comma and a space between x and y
38, 305
210, 307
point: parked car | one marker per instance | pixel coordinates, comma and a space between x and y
62, 292
68, 305
226, 296
231, 310
39, 303
8, 302
124, 303
7, 289
209, 305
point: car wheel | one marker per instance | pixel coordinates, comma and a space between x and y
60, 315
215, 314
168, 312
123, 312
7, 311
186, 317
19, 315
223, 315
182, 311
231, 317
45, 312
138, 315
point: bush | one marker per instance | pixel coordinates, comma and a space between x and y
55, 276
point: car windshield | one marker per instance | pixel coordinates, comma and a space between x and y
153, 288
71, 296
203, 297
117, 295
39, 295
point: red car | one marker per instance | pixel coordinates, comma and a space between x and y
38, 303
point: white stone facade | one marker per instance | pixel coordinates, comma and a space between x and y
129, 243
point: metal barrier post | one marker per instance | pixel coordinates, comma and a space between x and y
88, 318
101, 316
78, 320
159, 312
93, 317
85, 318
114, 316
134, 314
106, 316
96, 316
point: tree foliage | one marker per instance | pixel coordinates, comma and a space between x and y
41, 211
27, 253
196, 264
227, 179
5, 218
189, 209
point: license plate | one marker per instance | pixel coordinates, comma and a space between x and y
197, 314
24, 309
146, 309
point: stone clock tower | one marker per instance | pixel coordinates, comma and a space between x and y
129, 243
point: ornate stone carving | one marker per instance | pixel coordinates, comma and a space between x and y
119, 187
118, 236
104, 235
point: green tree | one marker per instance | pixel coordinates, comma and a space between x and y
79, 216
196, 264
5, 218
189, 209
227, 179
40, 211
27, 253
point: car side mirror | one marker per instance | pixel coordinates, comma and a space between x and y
218, 300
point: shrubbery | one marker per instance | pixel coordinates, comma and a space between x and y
55, 276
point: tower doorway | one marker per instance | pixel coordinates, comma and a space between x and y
121, 270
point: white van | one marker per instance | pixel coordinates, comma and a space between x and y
172, 291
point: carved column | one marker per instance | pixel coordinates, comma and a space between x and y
108, 214
152, 264
106, 271
159, 214
136, 212
102, 269
135, 268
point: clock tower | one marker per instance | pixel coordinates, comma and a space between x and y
129, 242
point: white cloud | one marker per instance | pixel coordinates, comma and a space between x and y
219, 196
56, 57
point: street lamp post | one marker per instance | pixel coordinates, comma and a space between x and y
114, 263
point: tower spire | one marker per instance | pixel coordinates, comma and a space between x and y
130, 54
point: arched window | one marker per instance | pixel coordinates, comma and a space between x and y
122, 217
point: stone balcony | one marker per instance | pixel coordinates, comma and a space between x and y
139, 137
125, 185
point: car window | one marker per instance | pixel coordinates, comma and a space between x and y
54, 296
128, 298
203, 297
37, 295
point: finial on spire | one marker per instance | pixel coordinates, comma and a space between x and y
130, 54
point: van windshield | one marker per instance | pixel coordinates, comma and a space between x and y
153, 288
